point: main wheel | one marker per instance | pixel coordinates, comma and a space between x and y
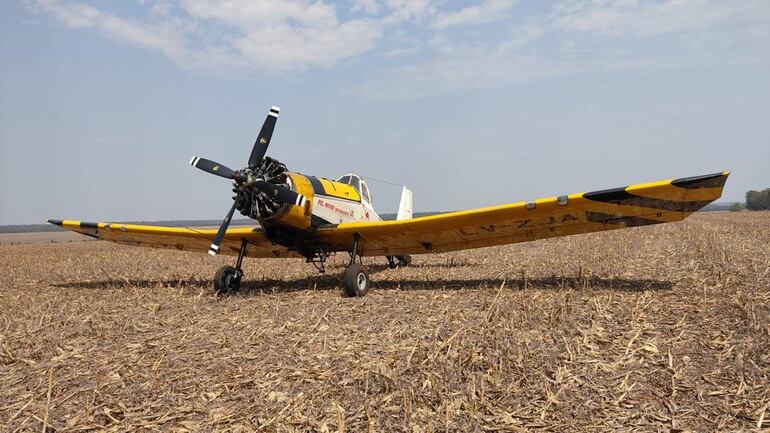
226, 280
356, 280
404, 261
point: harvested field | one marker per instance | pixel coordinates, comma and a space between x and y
659, 328
41, 238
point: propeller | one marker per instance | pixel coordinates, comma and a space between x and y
263, 139
251, 176
214, 247
212, 167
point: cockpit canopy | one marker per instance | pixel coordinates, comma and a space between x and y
358, 183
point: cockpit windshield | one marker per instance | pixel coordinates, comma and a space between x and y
356, 182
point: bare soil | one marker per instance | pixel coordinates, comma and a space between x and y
41, 238
659, 328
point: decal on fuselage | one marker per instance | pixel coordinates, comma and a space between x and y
334, 210
336, 202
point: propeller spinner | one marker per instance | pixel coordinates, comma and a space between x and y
254, 178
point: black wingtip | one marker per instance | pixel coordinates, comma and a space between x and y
714, 180
56, 222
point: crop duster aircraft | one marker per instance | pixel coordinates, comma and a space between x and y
312, 217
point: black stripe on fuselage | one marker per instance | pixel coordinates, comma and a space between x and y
626, 221
716, 180
88, 225
622, 197
319, 190
318, 187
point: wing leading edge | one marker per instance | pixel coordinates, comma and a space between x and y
178, 238
631, 206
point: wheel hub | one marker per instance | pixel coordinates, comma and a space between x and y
230, 281
361, 281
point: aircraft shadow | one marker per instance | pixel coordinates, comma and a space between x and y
332, 281
135, 283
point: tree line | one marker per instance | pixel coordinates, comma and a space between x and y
758, 200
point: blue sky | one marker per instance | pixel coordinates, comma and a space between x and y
470, 104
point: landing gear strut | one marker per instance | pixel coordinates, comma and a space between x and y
355, 280
318, 259
228, 278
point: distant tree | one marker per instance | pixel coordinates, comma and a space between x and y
736, 207
758, 200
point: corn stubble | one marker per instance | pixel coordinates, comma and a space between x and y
663, 328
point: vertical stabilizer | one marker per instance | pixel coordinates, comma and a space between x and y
405, 207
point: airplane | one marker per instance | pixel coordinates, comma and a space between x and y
313, 217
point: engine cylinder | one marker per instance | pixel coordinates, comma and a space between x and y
254, 203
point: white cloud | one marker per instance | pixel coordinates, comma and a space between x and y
288, 34
165, 37
294, 35
408, 10
642, 19
461, 68
287, 47
270, 35
489, 11
467, 68
367, 6
526, 33
248, 14
398, 52
582, 36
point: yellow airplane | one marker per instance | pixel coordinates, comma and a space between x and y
309, 217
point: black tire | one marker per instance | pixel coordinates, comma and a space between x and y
356, 281
404, 261
226, 280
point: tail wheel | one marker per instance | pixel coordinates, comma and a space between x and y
226, 280
356, 281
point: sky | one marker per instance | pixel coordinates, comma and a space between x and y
103, 103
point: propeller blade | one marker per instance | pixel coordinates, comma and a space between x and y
263, 139
281, 194
214, 248
212, 167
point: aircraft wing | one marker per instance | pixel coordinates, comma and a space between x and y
179, 238
631, 206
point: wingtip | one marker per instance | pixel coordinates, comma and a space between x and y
714, 180
56, 222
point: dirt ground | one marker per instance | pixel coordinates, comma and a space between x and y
658, 328
41, 238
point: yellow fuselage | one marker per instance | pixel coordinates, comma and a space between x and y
345, 199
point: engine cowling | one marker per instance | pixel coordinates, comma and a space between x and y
254, 203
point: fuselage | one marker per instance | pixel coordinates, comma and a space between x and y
327, 202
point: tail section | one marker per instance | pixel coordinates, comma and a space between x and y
405, 206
